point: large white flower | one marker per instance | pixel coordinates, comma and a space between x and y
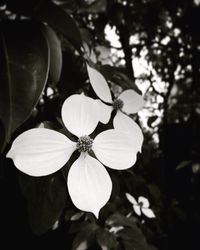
41, 151
128, 102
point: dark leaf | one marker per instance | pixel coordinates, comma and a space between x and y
76, 216
50, 13
155, 191
106, 240
73, 79
120, 220
95, 8
83, 226
82, 241
108, 71
131, 235
183, 164
46, 199
86, 235
55, 54
5, 95
69, 213
134, 239
24, 71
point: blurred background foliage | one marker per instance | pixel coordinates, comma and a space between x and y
152, 46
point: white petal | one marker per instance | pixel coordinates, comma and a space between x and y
89, 184
131, 199
133, 102
104, 111
137, 209
144, 201
114, 149
41, 151
80, 114
99, 85
126, 124
148, 212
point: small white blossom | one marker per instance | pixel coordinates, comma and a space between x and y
128, 102
140, 206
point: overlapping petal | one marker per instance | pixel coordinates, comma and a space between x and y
124, 123
131, 199
104, 111
143, 201
148, 212
99, 85
89, 184
115, 149
41, 151
137, 209
133, 102
80, 114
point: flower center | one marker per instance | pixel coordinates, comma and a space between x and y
84, 144
118, 104
140, 204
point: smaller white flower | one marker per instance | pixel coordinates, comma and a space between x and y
128, 102
140, 206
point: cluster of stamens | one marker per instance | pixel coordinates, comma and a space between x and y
140, 204
118, 104
84, 143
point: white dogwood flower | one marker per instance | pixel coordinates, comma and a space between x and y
140, 206
128, 102
41, 151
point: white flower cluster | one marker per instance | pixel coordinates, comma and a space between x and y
42, 151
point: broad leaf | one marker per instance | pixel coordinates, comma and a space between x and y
85, 236
106, 240
134, 239
46, 199
5, 95
120, 220
55, 54
24, 70
95, 8
82, 241
50, 13
73, 79
183, 164
131, 236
